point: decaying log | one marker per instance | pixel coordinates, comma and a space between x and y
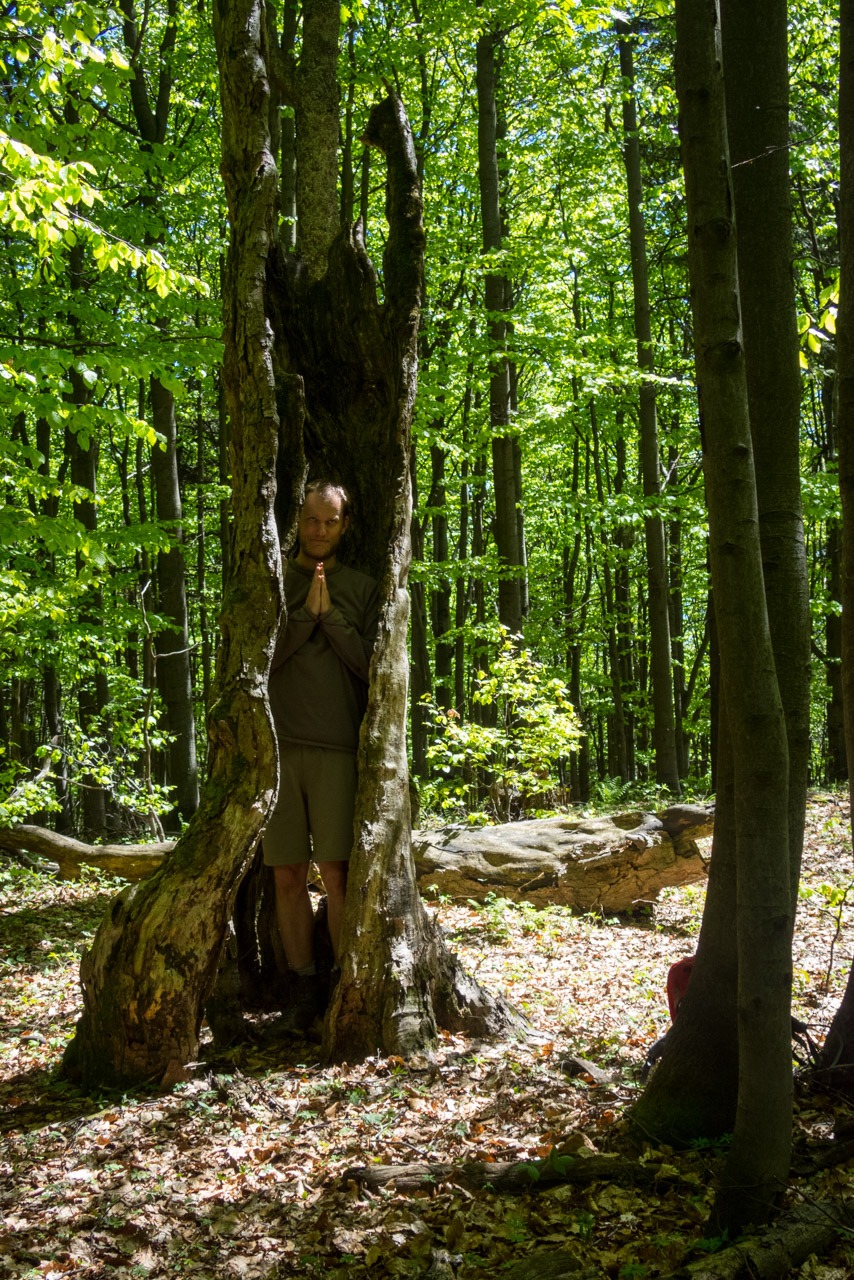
607, 863
131, 861
610, 863
514, 1176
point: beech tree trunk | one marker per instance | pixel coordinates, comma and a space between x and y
664, 736
758, 1161
755, 50
505, 459
839, 1045
750, 873
154, 959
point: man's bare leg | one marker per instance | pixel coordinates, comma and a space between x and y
334, 876
294, 915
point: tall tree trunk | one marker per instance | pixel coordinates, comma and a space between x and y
664, 739
496, 290
758, 1161
440, 602
422, 682
617, 749
839, 1044
174, 674
755, 51
686, 1098
94, 693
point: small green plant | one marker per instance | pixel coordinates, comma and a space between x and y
534, 727
712, 1244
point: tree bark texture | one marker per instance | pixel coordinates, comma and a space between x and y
755, 52
316, 142
839, 1044
349, 363
664, 734
692, 1092
758, 1160
154, 959
174, 677
496, 298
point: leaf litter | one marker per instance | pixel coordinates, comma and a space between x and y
238, 1172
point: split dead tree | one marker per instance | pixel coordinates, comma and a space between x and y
316, 365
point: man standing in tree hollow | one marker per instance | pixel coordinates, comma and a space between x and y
318, 695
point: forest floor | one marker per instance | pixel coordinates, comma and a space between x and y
238, 1172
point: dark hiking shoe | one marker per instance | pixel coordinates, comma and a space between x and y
306, 1003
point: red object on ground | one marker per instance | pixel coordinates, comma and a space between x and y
678, 977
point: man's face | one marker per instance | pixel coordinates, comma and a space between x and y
321, 527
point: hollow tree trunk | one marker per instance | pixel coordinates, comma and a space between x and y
350, 362
153, 962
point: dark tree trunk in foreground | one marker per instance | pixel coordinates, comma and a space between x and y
839, 1045
755, 50
154, 959
758, 1161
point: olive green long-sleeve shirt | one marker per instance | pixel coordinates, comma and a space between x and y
319, 674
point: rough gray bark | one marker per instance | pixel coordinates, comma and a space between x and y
316, 142
664, 737
154, 959
758, 1161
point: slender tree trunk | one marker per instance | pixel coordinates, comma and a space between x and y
755, 51
617, 751
839, 1045
174, 674
837, 762
317, 126
440, 602
422, 682
758, 1161
664, 739
510, 592
94, 693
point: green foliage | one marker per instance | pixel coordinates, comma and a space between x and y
535, 728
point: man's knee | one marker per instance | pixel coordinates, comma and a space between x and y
291, 879
334, 876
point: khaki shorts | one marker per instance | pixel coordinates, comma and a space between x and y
313, 817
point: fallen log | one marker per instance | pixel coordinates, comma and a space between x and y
132, 861
505, 1176
605, 863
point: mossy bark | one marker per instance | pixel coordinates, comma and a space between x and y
154, 959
